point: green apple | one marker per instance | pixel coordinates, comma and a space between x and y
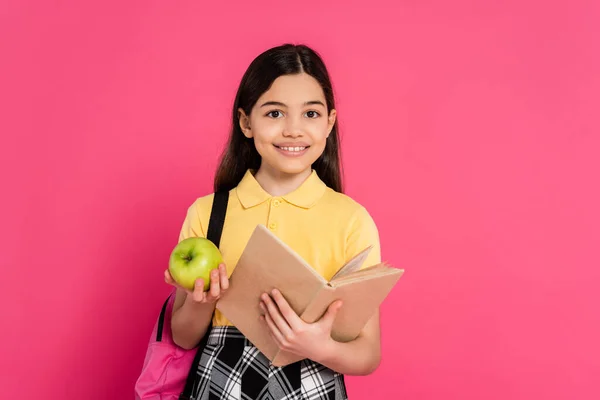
193, 258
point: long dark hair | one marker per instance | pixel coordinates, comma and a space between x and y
240, 153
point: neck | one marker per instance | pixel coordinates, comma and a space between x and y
278, 183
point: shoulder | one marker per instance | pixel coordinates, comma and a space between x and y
346, 205
354, 216
359, 227
201, 207
202, 203
196, 217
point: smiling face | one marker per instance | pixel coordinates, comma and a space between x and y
290, 124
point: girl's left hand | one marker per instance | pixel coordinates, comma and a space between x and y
292, 334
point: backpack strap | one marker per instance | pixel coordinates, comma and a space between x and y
217, 217
161, 319
215, 229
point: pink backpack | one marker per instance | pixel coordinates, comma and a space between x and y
169, 371
166, 366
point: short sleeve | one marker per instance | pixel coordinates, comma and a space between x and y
192, 227
363, 233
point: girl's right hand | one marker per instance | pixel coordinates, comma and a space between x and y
219, 283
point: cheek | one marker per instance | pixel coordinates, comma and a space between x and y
264, 136
261, 145
319, 133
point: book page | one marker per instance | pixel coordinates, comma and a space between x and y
353, 265
361, 298
367, 273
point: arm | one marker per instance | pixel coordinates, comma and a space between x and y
362, 355
358, 357
193, 310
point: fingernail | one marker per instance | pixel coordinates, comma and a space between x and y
275, 292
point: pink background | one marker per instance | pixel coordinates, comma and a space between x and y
470, 131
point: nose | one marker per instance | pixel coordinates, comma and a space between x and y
293, 127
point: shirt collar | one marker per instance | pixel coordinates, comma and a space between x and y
251, 194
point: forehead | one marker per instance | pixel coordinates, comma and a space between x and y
294, 90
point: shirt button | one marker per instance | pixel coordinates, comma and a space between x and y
272, 226
276, 202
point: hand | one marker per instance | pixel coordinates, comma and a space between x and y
219, 283
292, 334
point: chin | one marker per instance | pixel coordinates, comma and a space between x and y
289, 165
294, 170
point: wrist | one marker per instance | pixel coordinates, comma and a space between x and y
196, 310
328, 352
191, 304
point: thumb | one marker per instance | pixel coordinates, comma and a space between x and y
331, 313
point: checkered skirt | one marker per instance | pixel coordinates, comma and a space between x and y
231, 368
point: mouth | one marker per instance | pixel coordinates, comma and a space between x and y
292, 150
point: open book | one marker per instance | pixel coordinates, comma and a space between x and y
268, 263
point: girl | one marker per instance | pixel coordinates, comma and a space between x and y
282, 169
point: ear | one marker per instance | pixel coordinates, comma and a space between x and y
331, 121
244, 123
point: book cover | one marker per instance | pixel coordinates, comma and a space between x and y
268, 263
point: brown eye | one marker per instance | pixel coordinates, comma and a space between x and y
274, 114
312, 114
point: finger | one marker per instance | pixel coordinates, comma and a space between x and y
215, 286
198, 293
223, 277
292, 319
331, 313
275, 314
168, 278
274, 330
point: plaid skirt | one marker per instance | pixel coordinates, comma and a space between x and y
231, 368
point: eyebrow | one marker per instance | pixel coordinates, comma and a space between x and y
280, 104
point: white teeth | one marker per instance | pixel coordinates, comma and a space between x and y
292, 148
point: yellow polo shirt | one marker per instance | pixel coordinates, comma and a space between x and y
324, 227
